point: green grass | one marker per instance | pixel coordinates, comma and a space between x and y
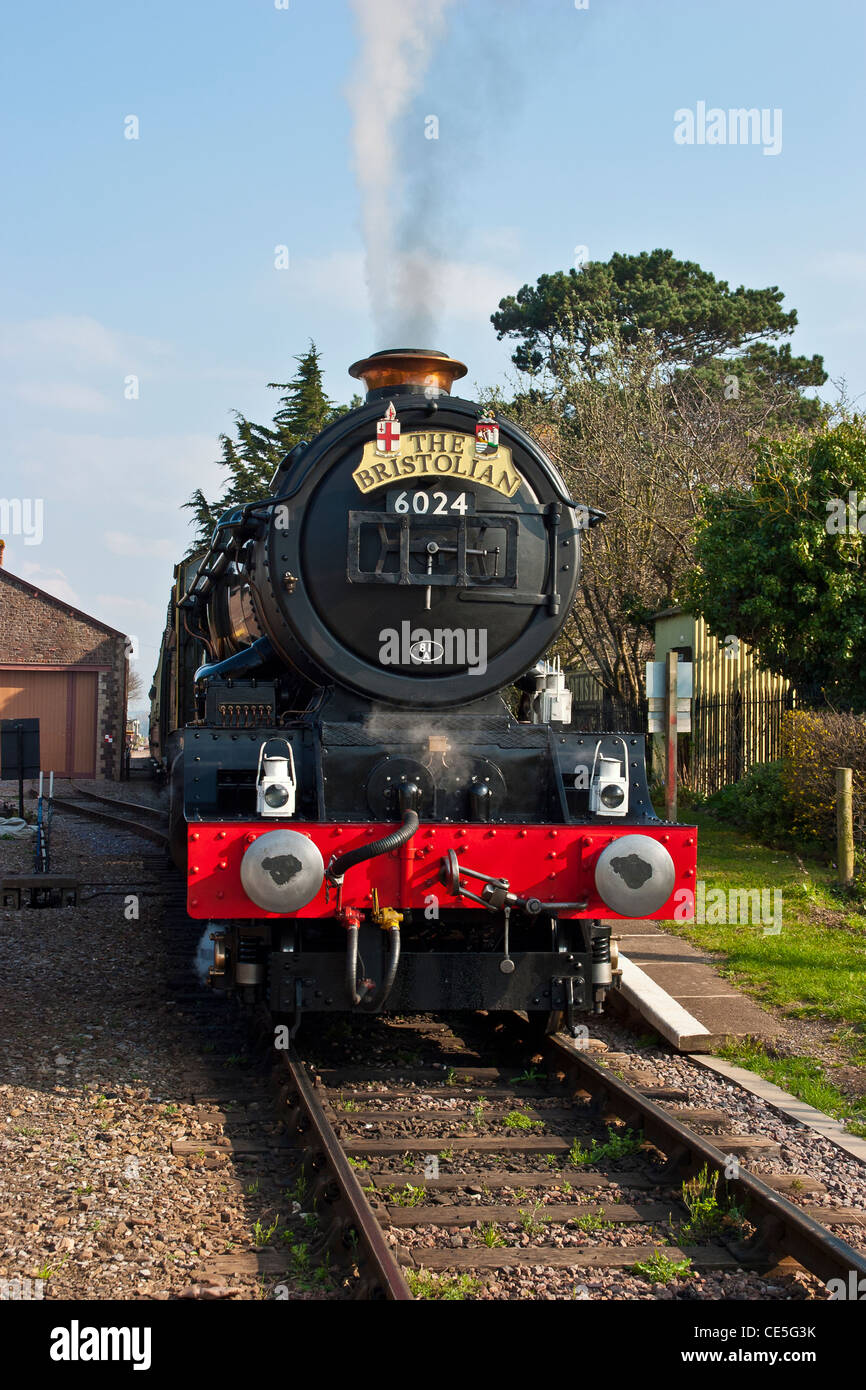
592, 1221
815, 968
424, 1284
618, 1145
803, 1078
527, 1077
407, 1196
263, 1235
490, 1235
515, 1119
661, 1270
708, 1215
533, 1222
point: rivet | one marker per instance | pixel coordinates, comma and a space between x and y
194, 835
586, 840
220, 893
194, 869
223, 864
193, 902
221, 834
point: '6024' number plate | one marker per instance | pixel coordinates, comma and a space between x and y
428, 502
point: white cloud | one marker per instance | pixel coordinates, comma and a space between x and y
843, 265
61, 396
139, 547
72, 362
129, 615
131, 475
52, 581
77, 339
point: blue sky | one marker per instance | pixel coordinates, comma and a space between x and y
155, 257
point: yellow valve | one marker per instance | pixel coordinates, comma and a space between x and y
388, 918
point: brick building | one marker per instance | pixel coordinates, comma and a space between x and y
68, 670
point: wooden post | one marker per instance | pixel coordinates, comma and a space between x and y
671, 736
844, 825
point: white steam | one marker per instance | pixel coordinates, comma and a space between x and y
397, 41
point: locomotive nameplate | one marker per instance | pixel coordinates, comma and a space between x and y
428, 455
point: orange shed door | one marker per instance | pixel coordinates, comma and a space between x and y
64, 702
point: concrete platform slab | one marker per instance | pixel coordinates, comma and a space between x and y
676, 988
642, 948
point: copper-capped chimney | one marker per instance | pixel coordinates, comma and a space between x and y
400, 370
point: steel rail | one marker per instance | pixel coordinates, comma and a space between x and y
126, 823
781, 1227
137, 807
357, 1228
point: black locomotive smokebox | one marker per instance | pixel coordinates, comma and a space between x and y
427, 554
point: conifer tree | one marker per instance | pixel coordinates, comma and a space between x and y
250, 458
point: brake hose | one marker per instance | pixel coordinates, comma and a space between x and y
343, 862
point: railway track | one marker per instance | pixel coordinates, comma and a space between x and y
436, 1161
473, 1169
133, 817
427, 1176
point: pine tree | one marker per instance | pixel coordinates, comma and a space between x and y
304, 409
251, 458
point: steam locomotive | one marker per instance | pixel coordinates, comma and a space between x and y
375, 791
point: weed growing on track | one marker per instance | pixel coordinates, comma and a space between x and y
528, 1077
262, 1235
707, 1215
47, 1272
530, 1221
593, 1221
515, 1119
407, 1196
490, 1235
423, 1283
617, 1146
661, 1270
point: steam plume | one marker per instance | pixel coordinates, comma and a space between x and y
397, 41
